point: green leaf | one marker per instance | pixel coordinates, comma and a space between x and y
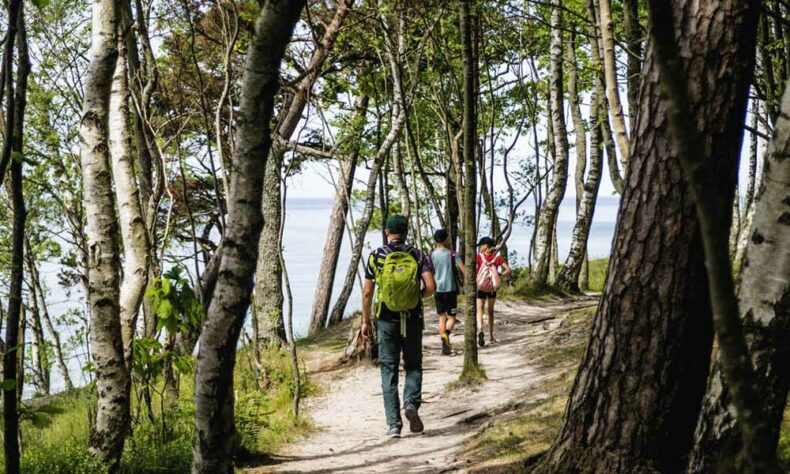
8, 385
40, 3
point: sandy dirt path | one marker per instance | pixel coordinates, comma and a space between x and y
349, 414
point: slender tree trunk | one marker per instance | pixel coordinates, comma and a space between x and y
612, 89
214, 421
337, 220
569, 277
468, 18
112, 374
764, 306
268, 298
57, 346
12, 149
38, 355
130, 215
551, 206
636, 396
633, 42
339, 309
747, 213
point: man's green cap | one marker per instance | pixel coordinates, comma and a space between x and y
397, 224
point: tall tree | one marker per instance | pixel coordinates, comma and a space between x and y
636, 396
547, 224
612, 87
214, 405
468, 19
349, 155
633, 44
12, 153
112, 374
268, 278
764, 305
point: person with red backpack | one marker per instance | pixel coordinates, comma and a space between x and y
488, 282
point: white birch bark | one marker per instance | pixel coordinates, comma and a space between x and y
764, 305
610, 73
112, 374
130, 215
550, 209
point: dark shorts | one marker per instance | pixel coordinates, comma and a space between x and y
446, 303
484, 295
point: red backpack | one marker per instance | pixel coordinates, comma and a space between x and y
488, 275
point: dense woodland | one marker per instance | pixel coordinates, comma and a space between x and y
148, 147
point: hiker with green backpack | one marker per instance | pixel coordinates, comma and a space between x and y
401, 276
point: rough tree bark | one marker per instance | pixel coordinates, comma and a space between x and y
714, 211
112, 374
134, 234
268, 298
636, 396
214, 422
349, 154
551, 206
764, 305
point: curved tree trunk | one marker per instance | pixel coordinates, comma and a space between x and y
112, 374
337, 221
568, 278
130, 215
339, 309
268, 296
214, 422
636, 396
764, 304
551, 206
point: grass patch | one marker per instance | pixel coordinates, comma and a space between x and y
333, 338
55, 433
784, 441
523, 289
469, 379
598, 270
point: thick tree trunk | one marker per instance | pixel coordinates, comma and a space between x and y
134, 234
468, 18
639, 387
612, 88
268, 297
764, 305
551, 206
569, 276
112, 374
214, 421
337, 221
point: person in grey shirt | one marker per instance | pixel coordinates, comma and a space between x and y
447, 266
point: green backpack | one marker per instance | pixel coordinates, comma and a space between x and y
398, 283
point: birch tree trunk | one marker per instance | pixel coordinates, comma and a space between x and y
612, 89
214, 422
568, 278
551, 206
268, 296
337, 220
112, 374
640, 384
134, 234
764, 306
747, 213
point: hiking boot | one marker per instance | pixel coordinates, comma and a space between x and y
447, 349
415, 423
394, 432
481, 339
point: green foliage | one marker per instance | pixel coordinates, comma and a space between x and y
175, 304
